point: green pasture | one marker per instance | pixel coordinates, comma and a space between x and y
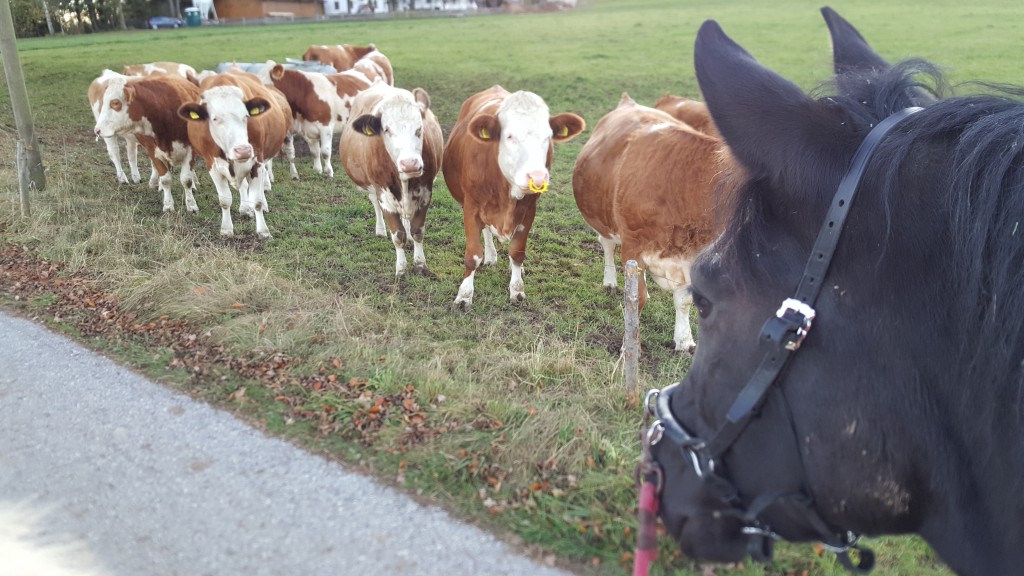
526, 428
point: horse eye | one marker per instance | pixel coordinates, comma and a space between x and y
703, 305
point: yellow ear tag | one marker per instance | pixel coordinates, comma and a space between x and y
367, 130
564, 132
254, 111
485, 134
193, 115
538, 189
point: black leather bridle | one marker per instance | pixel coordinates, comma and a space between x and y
782, 335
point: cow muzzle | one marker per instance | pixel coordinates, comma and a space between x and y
537, 181
242, 152
410, 168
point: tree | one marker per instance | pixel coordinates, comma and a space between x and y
29, 18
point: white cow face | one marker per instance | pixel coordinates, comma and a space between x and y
398, 120
524, 130
226, 113
112, 115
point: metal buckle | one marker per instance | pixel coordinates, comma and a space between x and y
805, 311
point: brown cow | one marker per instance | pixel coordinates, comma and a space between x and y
184, 70
147, 107
646, 181
237, 124
689, 111
392, 149
496, 165
366, 59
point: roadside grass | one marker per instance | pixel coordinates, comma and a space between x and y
514, 416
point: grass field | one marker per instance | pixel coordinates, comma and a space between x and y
513, 417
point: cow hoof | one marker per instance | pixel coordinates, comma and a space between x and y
228, 234
168, 209
686, 349
462, 305
266, 236
611, 289
122, 179
517, 298
422, 270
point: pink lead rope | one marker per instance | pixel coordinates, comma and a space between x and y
647, 532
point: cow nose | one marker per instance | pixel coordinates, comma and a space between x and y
98, 132
410, 165
243, 152
537, 180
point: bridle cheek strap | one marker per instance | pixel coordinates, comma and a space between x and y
781, 336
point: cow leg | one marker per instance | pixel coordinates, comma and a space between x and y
379, 228
245, 200
682, 335
154, 175
326, 135
164, 183
259, 202
314, 150
398, 237
289, 153
419, 259
611, 281
220, 182
474, 256
188, 182
490, 253
114, 152
516, 256
131, 146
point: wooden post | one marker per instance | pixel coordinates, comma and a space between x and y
29, 161
631, 314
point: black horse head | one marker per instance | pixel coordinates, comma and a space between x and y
903, 410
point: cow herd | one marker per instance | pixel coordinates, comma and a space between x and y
644, 181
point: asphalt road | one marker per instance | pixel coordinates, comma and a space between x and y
154, 483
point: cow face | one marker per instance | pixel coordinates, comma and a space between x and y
225, 111
111, 110
399, 122
524, 130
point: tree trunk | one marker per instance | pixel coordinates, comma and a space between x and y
49, 21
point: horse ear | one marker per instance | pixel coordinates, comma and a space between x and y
770, 125
850, 51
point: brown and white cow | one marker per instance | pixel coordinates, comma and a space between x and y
496, 165
184, 70
316, 108
645, 181
147, 108
692, 112
366, 59
392, 149
96, 90
237, 124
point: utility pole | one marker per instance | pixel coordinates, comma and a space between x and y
29, 161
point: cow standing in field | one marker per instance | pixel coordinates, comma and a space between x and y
147, 108
366, 59
316, 108
496, 166
392, 149
237, 125
646, 181
96, 90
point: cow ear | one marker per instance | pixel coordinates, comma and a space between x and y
771, 126
566, 126
193, 112
422, 98
367, 125
277, 72
129, 93
485, 128
850, 51
257, 106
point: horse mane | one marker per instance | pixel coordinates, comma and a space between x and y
981, 192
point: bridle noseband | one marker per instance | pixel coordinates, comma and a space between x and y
782, 335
